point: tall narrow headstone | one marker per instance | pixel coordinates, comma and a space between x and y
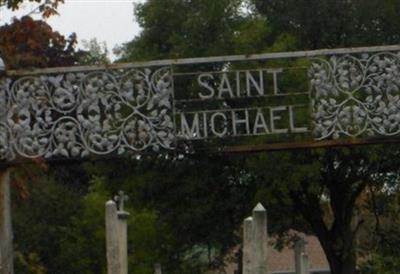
123, 241
112, 239
247, 245
157, 269
304, 264
122, 221
299, 249
6, 234
260, 239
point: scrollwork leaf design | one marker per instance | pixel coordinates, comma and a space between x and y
74, 115
355, 96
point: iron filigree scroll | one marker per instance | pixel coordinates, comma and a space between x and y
356, 95
80, 113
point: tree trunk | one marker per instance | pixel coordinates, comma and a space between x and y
337, 240
340, 252
346, 265
341, 265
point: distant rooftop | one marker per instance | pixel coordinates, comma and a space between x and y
282, 262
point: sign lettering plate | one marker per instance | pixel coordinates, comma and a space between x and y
212, 103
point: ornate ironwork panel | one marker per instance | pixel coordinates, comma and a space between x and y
80, 113
312, 96
356, 95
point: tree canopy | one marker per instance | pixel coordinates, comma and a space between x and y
308, 178
33, 43
187, 209
333, 23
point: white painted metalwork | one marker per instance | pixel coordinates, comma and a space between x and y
356, 95
213, 59
101, 110
77, 114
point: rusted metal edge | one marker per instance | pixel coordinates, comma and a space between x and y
202, 60
306, 145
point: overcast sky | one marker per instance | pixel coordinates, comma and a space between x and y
111, 21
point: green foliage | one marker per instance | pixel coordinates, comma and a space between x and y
84, 251
191, 214
96, 53
29, 263
333, 23
41, 226
186, 209
179, 28
145, 238
379, 264
316, 189
250, 35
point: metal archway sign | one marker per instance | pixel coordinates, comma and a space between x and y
230, 103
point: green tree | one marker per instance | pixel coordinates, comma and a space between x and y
341, 176
333, 23
41, 225
190, 215
176, 29
96, 53
190, 194
49, 235
323, 192
209, 195
328, 180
